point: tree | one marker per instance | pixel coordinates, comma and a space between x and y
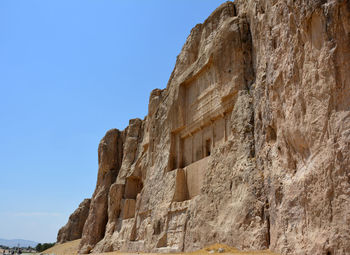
38, 247
42, 247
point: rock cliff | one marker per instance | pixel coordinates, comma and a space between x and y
247, 145
74, 227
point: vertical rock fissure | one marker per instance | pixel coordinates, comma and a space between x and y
268, 234
252, 124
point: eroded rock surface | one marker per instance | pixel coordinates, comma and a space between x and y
110, 151
74, 228
247, 145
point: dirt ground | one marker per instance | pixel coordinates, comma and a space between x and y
71, 248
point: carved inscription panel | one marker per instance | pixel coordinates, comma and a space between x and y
206, 122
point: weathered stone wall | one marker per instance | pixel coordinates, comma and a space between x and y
73, 230
248, 145
301, 103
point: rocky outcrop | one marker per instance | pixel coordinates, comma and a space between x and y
302, 106
74, 227
110, 152
247, 145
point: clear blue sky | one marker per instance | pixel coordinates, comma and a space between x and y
69, 71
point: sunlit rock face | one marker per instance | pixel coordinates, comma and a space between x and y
74, 227
248, 144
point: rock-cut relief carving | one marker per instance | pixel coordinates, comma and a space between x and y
205, 113
206, 119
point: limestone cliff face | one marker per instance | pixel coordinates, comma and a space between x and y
110, 153
74, 227
247, 145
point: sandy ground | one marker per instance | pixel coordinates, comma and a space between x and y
71, 248
68, 248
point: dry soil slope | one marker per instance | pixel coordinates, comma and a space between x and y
71, 248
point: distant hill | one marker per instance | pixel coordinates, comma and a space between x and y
17, 242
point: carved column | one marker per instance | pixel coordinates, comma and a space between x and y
192, 149
179, 151
213, 133
225, 133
